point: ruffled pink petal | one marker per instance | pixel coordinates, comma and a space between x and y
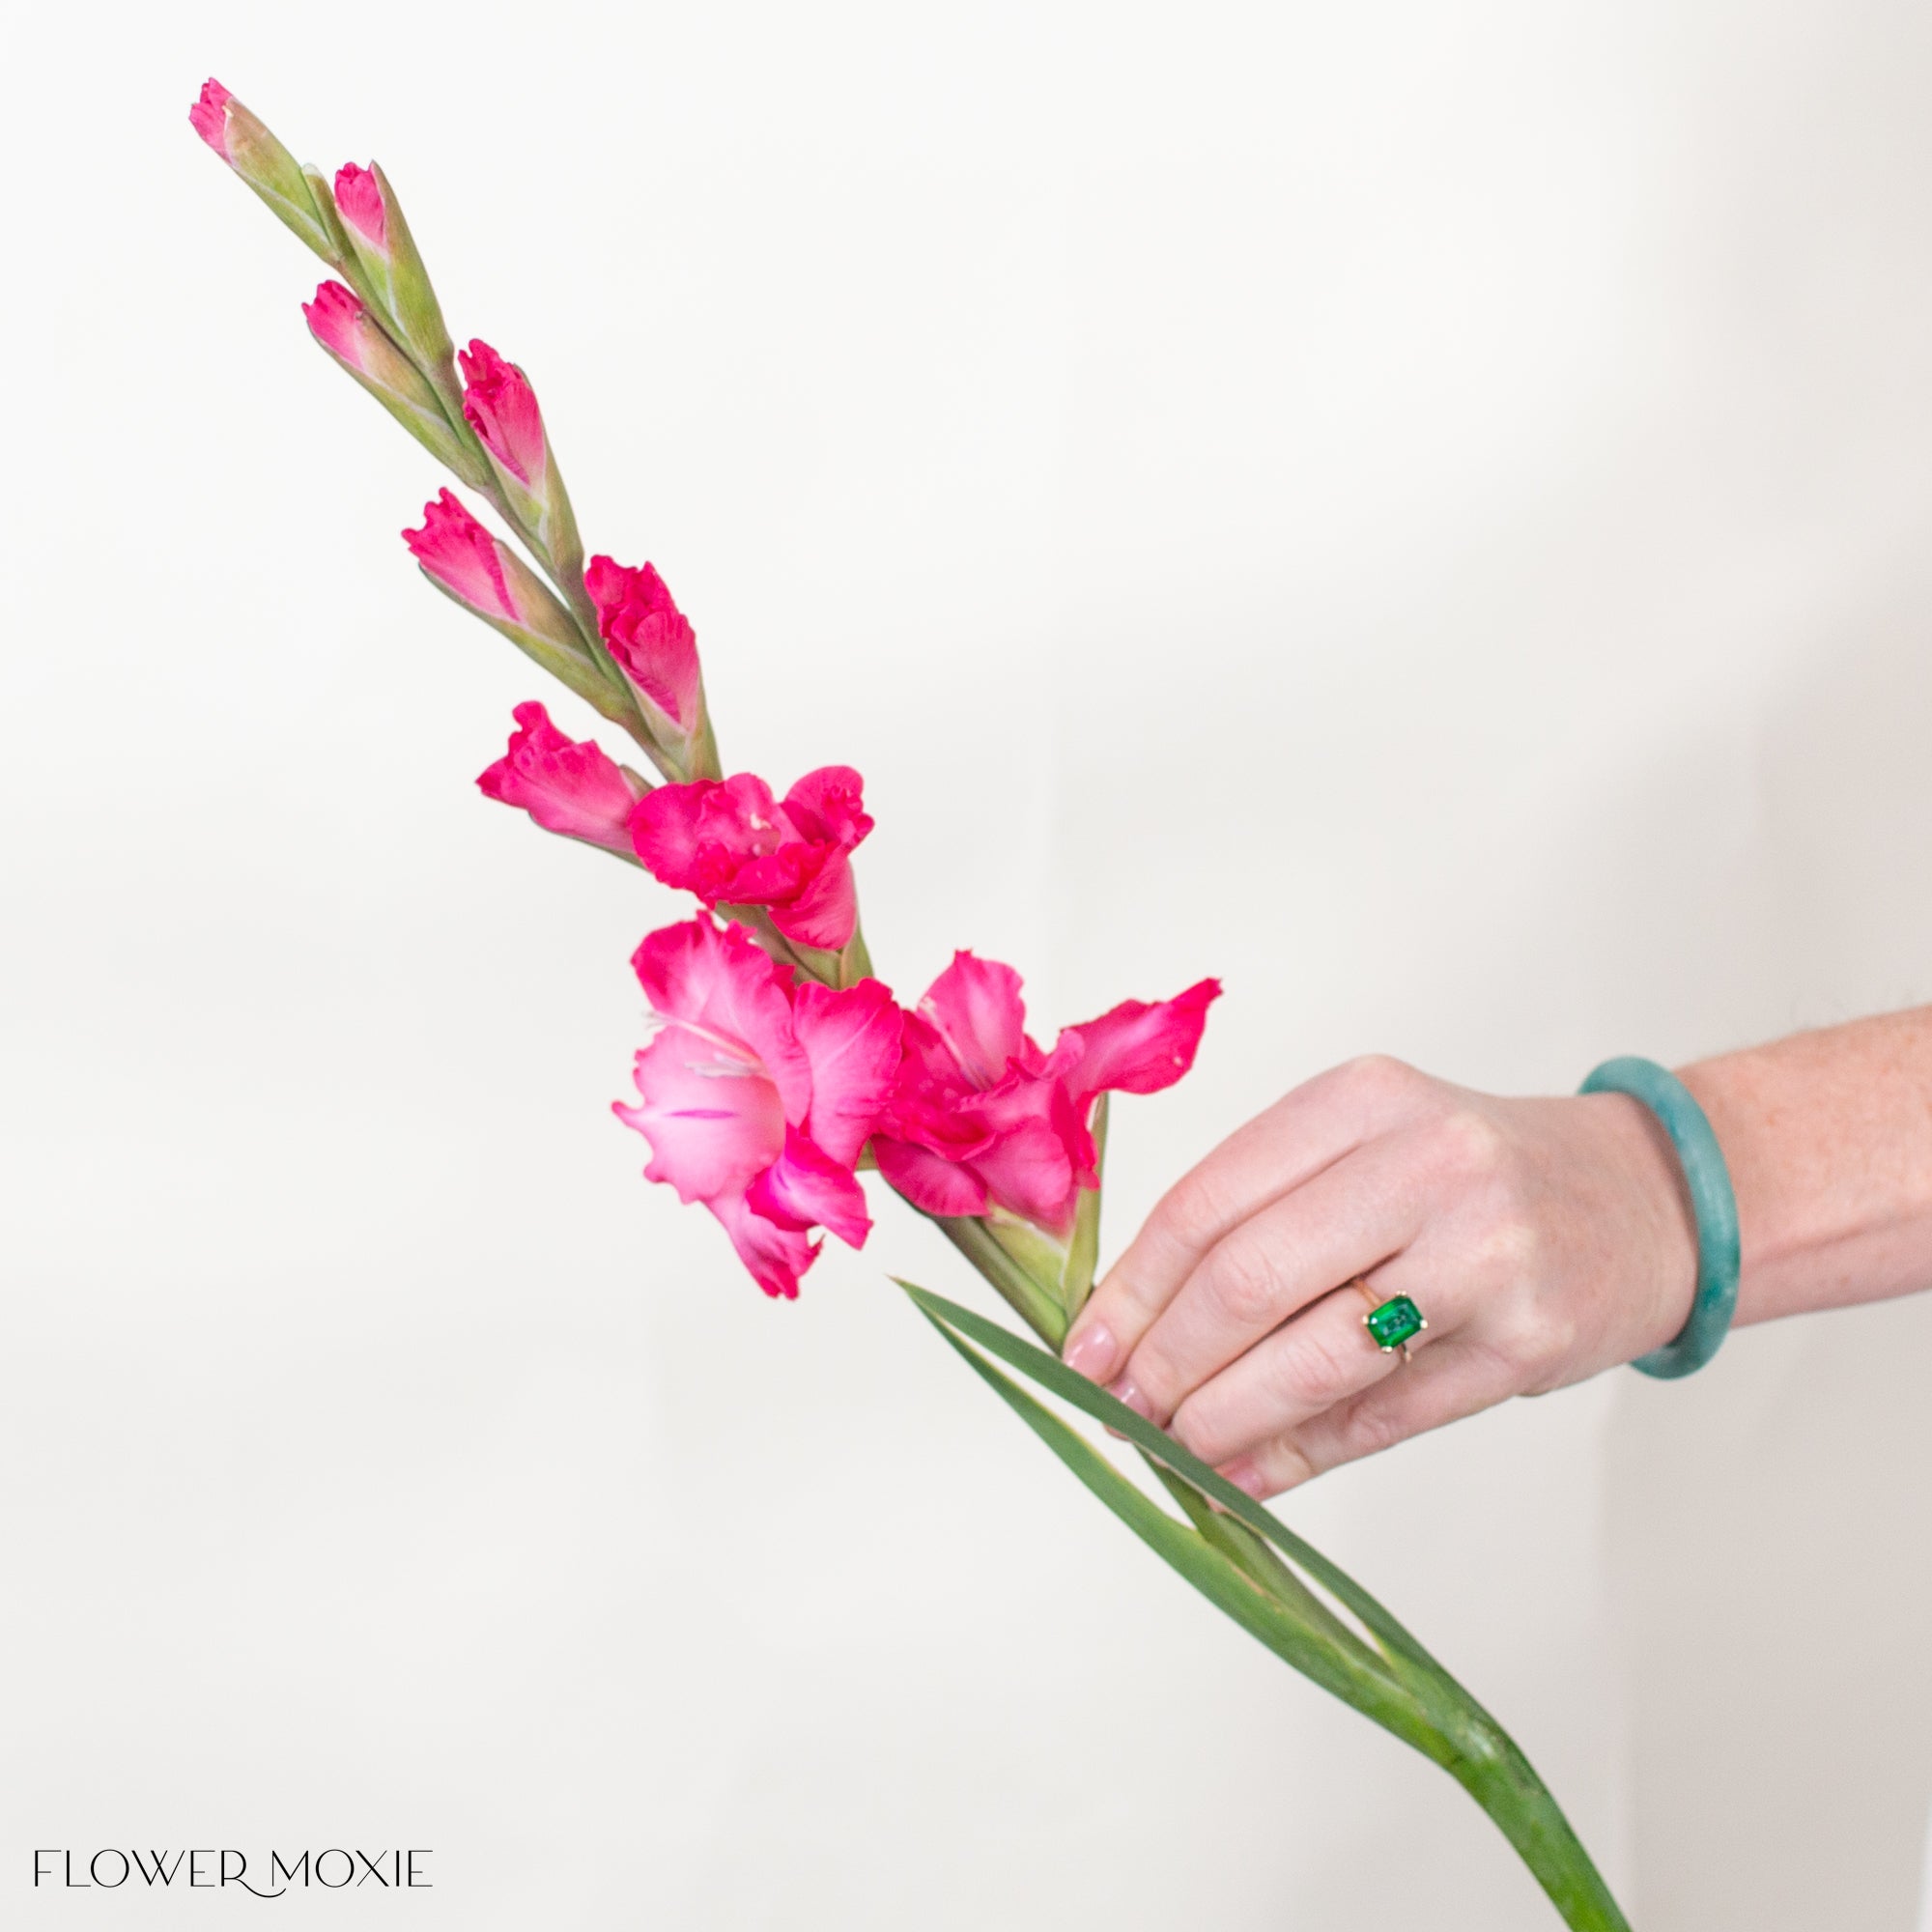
975, 1005
208, 116
499, 405
697, 837
463, 558
335, 319
806, 1188
1036, 1150
822, 909
713, 1117
359, 198
1027, 1171
717, 981
828, 806
1139, 1048
932, 1184
649, 636
775, 1256
566, 786
851, 1041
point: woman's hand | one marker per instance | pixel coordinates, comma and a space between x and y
1542, 1239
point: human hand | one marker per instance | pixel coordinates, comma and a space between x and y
1543, 1240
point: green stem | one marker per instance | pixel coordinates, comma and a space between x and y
1033, 1304
1498, 1775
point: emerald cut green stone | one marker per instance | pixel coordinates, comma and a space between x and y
1394, 1323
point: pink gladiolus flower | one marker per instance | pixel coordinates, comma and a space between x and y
335, 319
502, 408
731, 843
758, 1093
465, 558
647, 638
208, 117
981, 1117
360, 199
565, 786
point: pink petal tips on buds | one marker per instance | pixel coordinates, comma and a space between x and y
502, 408
758, 1094
359, 197
648, 637
463, 558
733, 844
335, 319
262, 162
567, 786
208, 117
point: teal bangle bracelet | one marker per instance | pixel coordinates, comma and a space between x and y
1712, 1200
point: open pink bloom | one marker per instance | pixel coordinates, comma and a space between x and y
337, 319
758, 1094
981, 1117
358, 196
647, 638
499, 405
731, 843
565, 786
208, 117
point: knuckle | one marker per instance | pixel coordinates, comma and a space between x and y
1288, 1463
1523, 1340
1470, 1147
1380, 1076
1307, 1374
1511, 1249
1239, 1283
1371, 1429
1204, 1428
1193, 1211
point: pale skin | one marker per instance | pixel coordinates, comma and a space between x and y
1544, 1239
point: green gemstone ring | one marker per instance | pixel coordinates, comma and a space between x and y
1391, 1324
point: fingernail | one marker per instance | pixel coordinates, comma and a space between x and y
1245, 1475
1129, 1391
1093, 1353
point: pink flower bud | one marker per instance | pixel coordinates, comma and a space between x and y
648, 638
565, 786
337, 320
261, 160
208, 117
502, 408
359, 197
465, 559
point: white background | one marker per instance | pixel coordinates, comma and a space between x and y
1421, 510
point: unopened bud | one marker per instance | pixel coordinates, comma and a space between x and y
499, 405
383, 261
263, 162
341, 321
486, 576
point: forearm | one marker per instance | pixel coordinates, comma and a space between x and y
1828, 1136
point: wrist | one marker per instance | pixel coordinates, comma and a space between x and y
1655, 1226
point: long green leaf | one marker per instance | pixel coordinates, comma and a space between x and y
1266, 1618
1053, 1375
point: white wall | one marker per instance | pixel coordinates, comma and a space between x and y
1420, 510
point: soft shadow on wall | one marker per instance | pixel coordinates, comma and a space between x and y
1766, 1520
